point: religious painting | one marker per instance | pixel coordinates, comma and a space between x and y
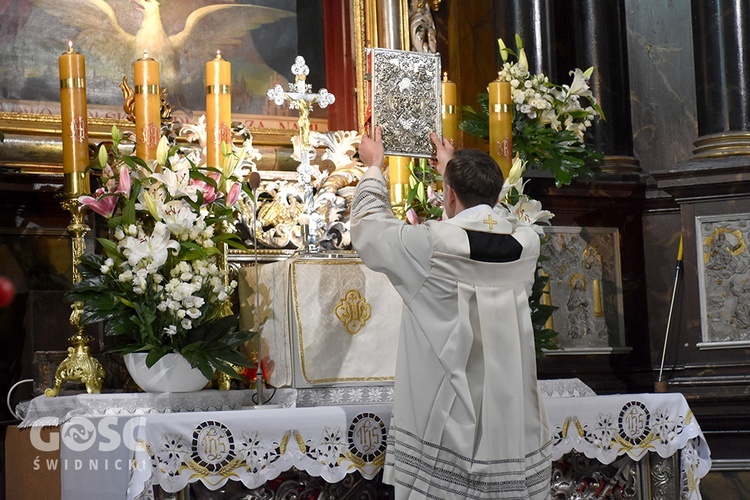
261, 39
724, 276
585, 283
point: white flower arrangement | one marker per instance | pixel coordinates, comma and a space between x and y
550, 121
159, 286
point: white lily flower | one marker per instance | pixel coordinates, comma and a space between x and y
155, 246
177, 181
529, 213
579, 86
162, 150
178, 216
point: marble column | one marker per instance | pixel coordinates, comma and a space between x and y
597, 38
721, 51
533, 21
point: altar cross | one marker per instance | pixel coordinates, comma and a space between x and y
301, 98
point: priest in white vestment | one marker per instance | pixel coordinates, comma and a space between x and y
468, 420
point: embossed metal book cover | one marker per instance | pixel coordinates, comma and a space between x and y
405, 99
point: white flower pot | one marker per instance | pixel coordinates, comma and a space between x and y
172, 373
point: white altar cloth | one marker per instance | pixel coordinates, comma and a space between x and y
44, 411
255, 446
322, 321
607, 427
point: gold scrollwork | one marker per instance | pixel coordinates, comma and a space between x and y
353, 311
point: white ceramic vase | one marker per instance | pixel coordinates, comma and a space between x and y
172, 373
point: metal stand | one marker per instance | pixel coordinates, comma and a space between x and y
79, 365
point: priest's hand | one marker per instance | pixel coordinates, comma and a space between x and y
371, 150
443, 151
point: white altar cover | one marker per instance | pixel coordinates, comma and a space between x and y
607, 427
255, 446
322, 320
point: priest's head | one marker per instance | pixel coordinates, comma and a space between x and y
471, 178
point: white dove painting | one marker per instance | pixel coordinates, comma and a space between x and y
258, 37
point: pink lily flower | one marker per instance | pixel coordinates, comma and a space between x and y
124, 185
110, 176
209, 192
104, 204
234, 194
412, 217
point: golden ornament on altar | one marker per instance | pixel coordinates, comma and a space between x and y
353, 311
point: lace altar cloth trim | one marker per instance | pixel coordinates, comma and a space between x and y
255, 446
335, 396
606, 427
564, 388
44, 411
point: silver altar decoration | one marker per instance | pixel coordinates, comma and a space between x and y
406, 100
282, 197
302, 99
724, 275
422, 31
586, 286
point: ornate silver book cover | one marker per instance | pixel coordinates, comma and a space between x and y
405, 98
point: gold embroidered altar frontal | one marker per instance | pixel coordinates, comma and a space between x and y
325, 321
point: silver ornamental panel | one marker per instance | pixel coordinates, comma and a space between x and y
406, 100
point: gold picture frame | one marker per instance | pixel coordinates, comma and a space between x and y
32, 128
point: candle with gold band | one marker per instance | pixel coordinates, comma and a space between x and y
501, 125
147, 107
218, 108
398, 177
75, 135
449, 115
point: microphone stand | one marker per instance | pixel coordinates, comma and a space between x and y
254, 182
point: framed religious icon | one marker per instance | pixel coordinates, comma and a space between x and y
260, 39
585, 284
405, 99
724, 277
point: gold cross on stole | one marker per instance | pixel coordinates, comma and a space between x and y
490, 221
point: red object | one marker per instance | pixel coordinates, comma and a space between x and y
7, 291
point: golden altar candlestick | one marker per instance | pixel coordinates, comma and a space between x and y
74, 122
501, 125
218, 108
147, 107
79, 365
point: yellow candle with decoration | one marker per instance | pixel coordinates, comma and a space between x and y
501, 124
449, 108
218, 108
147, 106
398, 176
74, 121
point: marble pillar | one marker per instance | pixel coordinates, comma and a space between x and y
595, 33
533, 20
721, 41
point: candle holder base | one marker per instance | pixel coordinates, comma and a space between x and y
399, 210
78, 366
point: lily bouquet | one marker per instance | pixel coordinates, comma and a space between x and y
550, 121
160, 286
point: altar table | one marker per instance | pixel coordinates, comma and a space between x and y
253, 446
